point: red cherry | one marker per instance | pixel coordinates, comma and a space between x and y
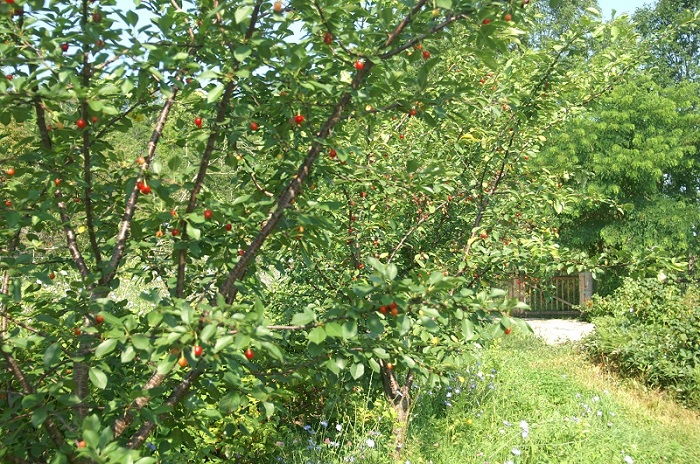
10, 1
173, 213
413, 112
100, 43
81, 123
175, 232
382, 309
96, 17
10, 77
328, 38
8, 203
52, 276
299, 119
64, 46
486, 21
94, 119
249, 354
254, 126
57, 181
228, 227
198, 350
141, 160
10, 171
208, 214
508, 17
99, 319
241, 252
361, 266
198, 121
401, 136
394, 311
426, 54
76, 331
146, 190
392, 305
182, 362
508, 330
359, 65
82, 444
333, 153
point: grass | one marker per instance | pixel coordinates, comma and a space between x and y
527, 402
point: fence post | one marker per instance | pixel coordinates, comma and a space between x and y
585, 287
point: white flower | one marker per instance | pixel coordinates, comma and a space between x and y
339, 427
516, 452
628, 459
370, 443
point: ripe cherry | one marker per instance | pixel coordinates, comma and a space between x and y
277, 7
52, 276
241, 252
146, 190
82, 444
508, 330
10, 171
426, 54
360, 266
508, 17
99, 319
64, 47
175, 232
394, 311
333, 153
10, 77
57, 181
228, 227
198, 122
141, 160
96, 17
413, 112
94, 119
254, 126
359, 65
486, 21
299, 119
159, 233
76, 331
208, 214
382, 309
81, 123
198, 350
249, 354
328, 38
8, 203
182, 361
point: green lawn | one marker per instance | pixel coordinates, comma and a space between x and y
525, 403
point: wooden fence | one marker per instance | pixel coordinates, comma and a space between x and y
559, 294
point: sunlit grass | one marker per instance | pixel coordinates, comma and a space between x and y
526, 402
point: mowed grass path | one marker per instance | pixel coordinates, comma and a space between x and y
533, 403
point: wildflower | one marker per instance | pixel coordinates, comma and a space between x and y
609, 424
516, 452
506, 423
324, 424
339, 427
595, 399
370, 443
307, 427
628, 459
448, 404
448, 395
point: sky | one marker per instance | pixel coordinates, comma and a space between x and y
622, 6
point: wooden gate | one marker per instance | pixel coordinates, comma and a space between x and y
561, 294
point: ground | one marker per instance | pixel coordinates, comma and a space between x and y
556, 331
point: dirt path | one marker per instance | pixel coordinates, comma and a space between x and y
556, 331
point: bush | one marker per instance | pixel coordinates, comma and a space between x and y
650, 331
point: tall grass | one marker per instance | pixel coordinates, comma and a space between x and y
525, 402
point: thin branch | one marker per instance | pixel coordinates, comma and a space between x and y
121, 424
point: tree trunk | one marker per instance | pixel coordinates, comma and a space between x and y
400, 398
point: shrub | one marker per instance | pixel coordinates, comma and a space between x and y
650, 331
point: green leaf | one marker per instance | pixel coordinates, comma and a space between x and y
215, 94
105, 347
223, 342
207, 332
52, 354
193, 231
349, 330
98, 378
242, 52
334, 330
317, 335
141, 341
242, 13
39, 416
128, 354
303, 318
357, 370
269, 408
